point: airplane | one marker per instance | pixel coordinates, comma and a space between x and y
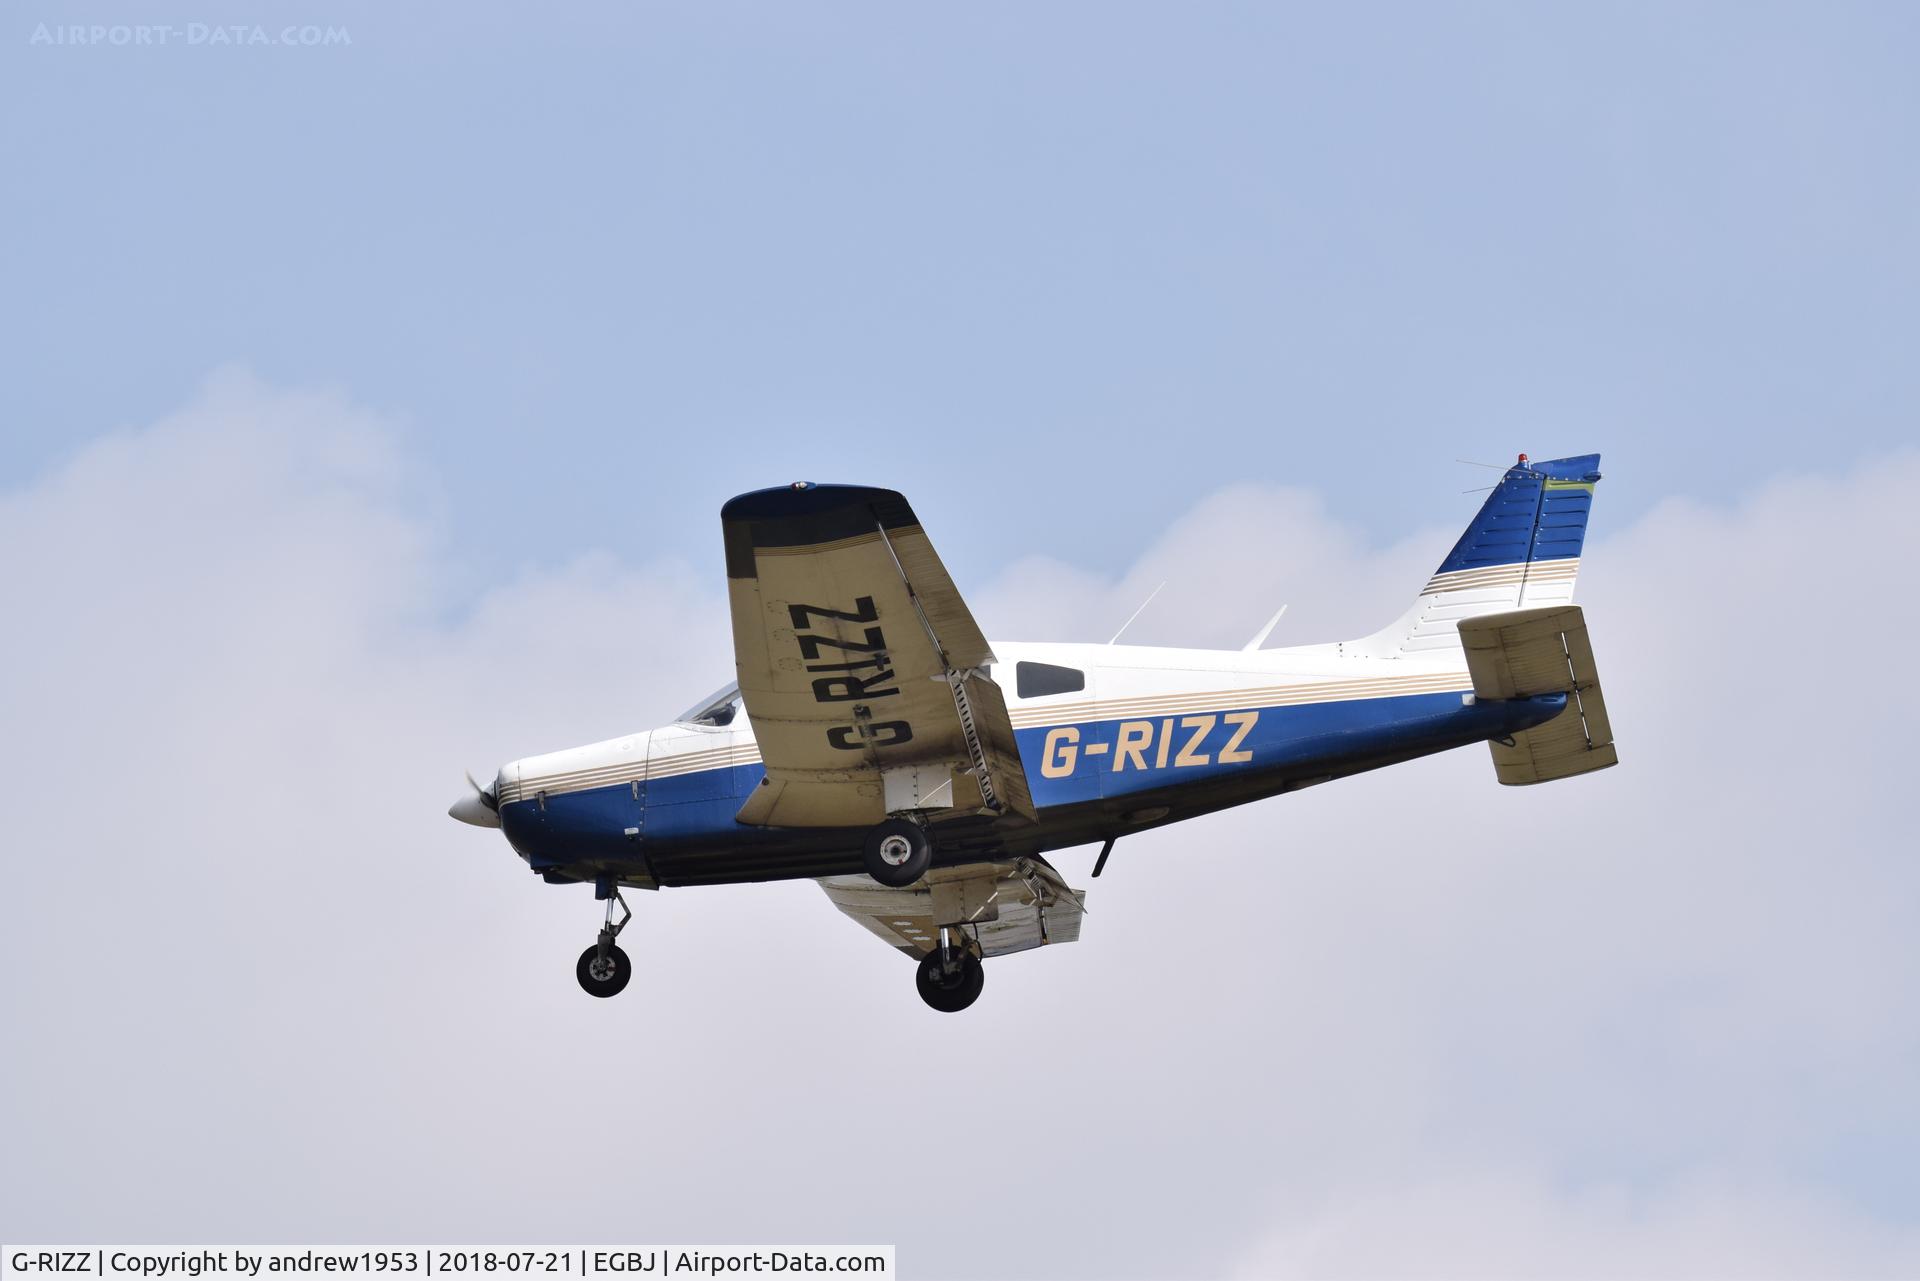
875, 742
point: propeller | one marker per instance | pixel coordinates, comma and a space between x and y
482, 809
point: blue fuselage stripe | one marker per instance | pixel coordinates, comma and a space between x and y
1066, 765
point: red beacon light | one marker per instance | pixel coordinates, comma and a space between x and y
1522, 462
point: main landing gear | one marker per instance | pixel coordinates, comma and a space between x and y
898, 852
950, 976
604, 969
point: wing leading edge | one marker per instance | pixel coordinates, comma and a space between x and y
862, 670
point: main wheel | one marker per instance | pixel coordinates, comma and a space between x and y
947, 992
598, 978
898, 852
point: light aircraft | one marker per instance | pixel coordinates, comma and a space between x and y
876, 742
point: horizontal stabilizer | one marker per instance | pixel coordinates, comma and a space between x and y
1530, 652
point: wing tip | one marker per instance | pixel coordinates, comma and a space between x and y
803, 499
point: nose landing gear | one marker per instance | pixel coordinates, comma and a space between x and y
604, 969
950, 977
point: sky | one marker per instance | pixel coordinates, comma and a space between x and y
612, 264
367, 412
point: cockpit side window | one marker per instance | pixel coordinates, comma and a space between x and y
1037, 680
716, 710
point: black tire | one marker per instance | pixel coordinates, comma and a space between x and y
898, 852
612, 984
950, 993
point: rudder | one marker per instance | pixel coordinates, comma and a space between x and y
1521, 551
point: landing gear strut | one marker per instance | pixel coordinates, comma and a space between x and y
604, 969
950, 976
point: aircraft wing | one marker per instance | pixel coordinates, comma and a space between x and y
1010, 906
861, 668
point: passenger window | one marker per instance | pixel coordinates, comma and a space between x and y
1037, 680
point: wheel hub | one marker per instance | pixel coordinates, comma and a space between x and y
895, 850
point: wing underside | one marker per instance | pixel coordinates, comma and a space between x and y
862, 670
1008, 906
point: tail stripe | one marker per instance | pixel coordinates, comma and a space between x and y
1502, 575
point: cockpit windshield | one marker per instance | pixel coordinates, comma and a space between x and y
717, 709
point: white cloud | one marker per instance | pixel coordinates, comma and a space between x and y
1227, 566
257, 986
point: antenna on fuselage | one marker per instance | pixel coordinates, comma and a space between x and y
1260, 637
1136, 613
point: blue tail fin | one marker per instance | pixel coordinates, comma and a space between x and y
1537, 512
1521, 550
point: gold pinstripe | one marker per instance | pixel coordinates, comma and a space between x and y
1328, 691
582, 780
1146, 706
1539, 571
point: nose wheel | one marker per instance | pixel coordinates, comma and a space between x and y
603, 975
950, 978
604, 969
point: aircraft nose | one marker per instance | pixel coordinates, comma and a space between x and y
480, 806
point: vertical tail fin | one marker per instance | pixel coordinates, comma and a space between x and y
1521, 551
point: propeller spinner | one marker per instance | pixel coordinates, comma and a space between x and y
481, 809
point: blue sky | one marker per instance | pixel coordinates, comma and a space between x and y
1057, 271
